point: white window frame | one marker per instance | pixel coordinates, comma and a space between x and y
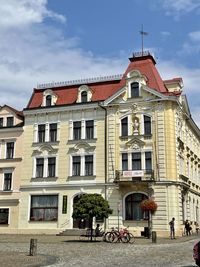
82, 167
47, 131
45, 169
7, 170
143, 163
129, 87
5, 150
9, 209
83, 129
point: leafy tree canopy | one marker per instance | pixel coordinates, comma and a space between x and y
91, 205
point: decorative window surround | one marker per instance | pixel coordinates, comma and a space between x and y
45, 166
82, 163
86, 90
83, 129
135, 77
47, 131
45, 102
7, 185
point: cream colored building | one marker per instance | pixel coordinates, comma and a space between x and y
11, 142
128, 137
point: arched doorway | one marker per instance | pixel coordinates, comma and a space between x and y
133, 210
79, 223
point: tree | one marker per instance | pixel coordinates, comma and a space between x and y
89, 206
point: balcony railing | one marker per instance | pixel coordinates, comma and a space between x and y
134, 175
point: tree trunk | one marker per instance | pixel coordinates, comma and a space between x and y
91, 228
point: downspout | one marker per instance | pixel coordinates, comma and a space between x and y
105, 155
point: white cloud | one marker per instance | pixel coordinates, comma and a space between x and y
179, 7
20, 13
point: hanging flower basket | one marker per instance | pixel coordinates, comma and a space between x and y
148, 205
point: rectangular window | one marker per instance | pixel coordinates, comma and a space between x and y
10, 121
135, 89
53, 132
76, 166
148, 162
124, 127
77, 130
9, 150
52, 167
1, 122
124, 161
44, 208
89, 165
136, 161
39, 167
147, 125
41, 133
7, 181
4, 213
89, 129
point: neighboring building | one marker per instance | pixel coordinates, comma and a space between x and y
11, 131
128, 137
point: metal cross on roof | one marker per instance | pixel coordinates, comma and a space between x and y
142, 36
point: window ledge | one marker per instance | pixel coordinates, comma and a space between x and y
43, 221
81, 177
6, 191
92, 140
49, 142
145, 136
43, 179
11, 160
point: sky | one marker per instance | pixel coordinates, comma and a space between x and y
42, 41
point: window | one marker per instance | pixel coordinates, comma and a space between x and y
77, 130
41, 133
76, 170
136, 161
10, 121
48, 100
84, 97
89, 129
9, 150
39, 167
7, 181
89, 165
124, 161
147, 125
132, 207
51, 167
1, 122
4, 213
135, 89
44, 208
148, 162
53, 132
124, 127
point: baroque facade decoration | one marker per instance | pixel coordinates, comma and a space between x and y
129, 137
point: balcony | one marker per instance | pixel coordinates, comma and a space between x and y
134, 175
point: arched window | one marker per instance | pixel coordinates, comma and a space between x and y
135, 89
48, 100
132, 207
84, 97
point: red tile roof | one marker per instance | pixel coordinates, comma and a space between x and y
104, 89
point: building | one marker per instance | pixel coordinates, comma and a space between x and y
128, 137
11, 142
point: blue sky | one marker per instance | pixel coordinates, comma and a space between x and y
58, 40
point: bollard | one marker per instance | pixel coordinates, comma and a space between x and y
33, 247
154, 237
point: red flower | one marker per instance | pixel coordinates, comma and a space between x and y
148, 205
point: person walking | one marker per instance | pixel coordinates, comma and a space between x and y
172, 228
187, 227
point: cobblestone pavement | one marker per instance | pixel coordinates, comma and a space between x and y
62, 251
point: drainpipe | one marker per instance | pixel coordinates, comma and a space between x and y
105, 155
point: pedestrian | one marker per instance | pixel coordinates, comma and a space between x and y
187, 227
172, 228
97, 230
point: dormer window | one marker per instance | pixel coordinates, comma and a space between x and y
48, 100
135, 90
84, 95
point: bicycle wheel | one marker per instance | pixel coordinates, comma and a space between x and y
116, 237
125, 238
109, 237
131, 238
